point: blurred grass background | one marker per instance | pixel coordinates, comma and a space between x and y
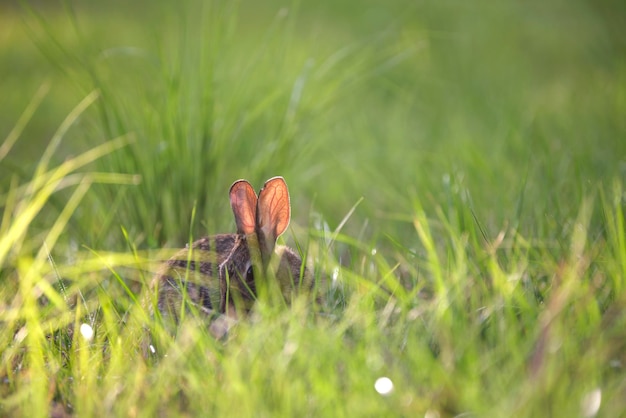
519, 106
482, 137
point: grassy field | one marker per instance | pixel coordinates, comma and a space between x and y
457, 175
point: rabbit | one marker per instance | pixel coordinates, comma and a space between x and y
222, 275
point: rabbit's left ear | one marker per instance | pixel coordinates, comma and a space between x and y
243, 201
273, 213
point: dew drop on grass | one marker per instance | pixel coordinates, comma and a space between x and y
383, 385
86, 331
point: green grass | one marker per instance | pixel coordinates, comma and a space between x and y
456, 173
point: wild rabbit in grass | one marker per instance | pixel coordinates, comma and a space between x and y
222, 275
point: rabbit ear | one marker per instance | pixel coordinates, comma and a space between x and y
273, 214
243, 201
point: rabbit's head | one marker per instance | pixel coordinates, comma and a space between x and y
262, 220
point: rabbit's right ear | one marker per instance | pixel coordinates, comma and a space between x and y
243, 201
273, 214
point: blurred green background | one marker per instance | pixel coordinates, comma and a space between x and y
514, 110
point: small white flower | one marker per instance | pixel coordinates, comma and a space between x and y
383, 385
21, 334
432, 414
590, 403
86, 331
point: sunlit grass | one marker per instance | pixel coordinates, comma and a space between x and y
33, 343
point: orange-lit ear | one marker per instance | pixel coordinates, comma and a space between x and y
273, 212
243, 201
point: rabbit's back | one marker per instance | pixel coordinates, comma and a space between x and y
202, 274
